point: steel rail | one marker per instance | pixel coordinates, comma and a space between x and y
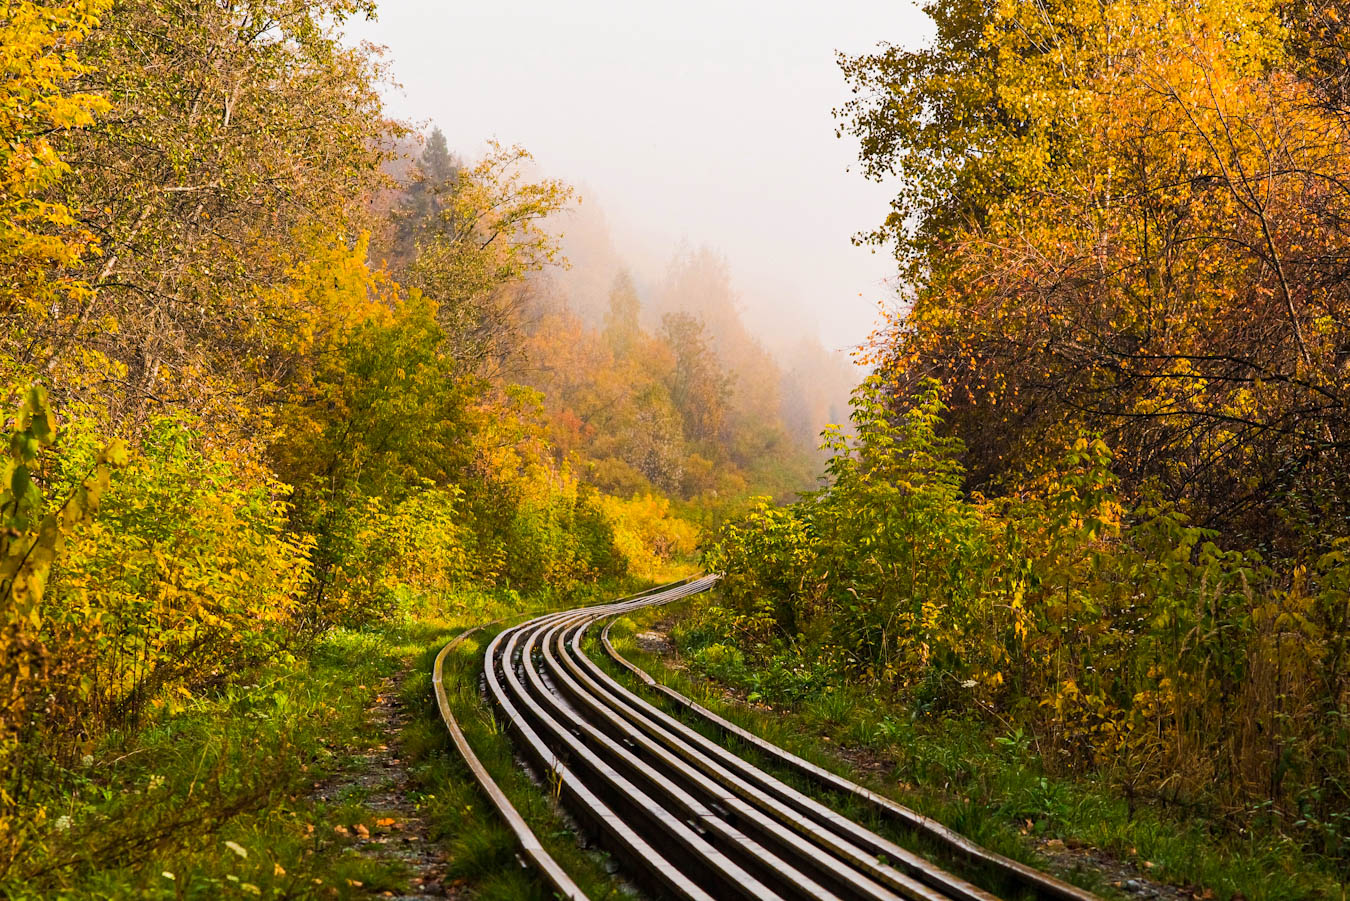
508, 694
850, 867
526, 840
758, 843
697, 820
904, 871
529, 843
709, 866
669, 826
1041, 884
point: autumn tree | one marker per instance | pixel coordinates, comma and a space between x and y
236, 133
39, 238
474, 252
621, 322
698, 386
1319, 43
1147, 244
699, 282
423, 199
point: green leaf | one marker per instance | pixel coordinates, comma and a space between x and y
20, 482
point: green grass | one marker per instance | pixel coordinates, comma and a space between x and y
215, 797
992, 787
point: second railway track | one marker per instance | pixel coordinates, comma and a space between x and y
690, 818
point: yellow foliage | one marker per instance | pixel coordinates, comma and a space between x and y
36, 64
648, 534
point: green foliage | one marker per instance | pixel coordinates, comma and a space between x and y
378, 419
1127, 645
34, 538
412, 474
976, 774
896, 519
188, 568
889, 553
542, 528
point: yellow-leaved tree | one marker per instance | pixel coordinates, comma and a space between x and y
37, 236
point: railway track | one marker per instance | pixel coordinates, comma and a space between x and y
688, 817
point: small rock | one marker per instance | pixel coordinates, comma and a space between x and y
1140, 888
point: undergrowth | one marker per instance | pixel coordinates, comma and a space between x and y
217, 799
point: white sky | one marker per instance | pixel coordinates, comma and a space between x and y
702, 121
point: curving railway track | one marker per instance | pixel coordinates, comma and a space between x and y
690, 818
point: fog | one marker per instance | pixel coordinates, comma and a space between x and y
693, 125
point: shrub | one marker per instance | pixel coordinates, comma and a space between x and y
185, 577
1129, 643
646, 533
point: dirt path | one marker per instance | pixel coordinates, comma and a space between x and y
394, 831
